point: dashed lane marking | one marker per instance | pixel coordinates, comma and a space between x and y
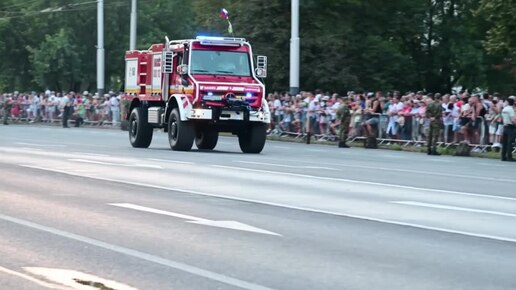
455, 208
170, 161
287, 166
116, 164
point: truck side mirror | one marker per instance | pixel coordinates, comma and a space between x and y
182, 70
261, 66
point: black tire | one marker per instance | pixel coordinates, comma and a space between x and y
140, 132
181, 134
206, 139
253, 140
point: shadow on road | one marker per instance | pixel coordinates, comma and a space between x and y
199, 151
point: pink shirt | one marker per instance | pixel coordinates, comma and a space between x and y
422, 111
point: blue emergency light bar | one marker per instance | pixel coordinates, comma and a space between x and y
220, 41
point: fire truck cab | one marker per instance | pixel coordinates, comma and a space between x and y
195, 88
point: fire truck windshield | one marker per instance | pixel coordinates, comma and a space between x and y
220, 63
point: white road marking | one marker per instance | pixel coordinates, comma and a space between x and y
388, 155
431, 173
65, 143
491, 164
316, 150
31, 149
66, 168
280, 147
137, 254
67, 277
156, 211
85, 170
367, 182
441, 160
40, 145
321, 167
478, 235
116, 164
395, 169
33, 280
170, 161
63, 194
441, 206
91, 154
286, 166
196, 220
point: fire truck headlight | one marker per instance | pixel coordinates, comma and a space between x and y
248, 95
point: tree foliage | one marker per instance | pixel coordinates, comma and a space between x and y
345, 45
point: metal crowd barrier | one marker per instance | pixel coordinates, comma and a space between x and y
418, 134
59, 120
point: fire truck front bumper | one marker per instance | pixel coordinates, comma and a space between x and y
228, 115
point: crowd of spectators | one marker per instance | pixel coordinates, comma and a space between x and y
469, 118
49, 107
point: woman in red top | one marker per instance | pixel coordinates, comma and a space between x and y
405, 120
16, 110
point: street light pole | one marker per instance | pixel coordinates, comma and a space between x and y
100, 48
294, 49
132, 41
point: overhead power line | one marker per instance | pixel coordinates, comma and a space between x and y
62, 9
19, 4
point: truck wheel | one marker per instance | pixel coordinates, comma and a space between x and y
140, 132
206, 139
253, 141
181, 134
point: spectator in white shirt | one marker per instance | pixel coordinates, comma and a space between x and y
115, 109
394, 108
278, 109
509, 128
313, 109
447, 106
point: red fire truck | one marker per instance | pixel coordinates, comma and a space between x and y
195, 88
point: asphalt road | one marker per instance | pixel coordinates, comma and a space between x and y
82, 204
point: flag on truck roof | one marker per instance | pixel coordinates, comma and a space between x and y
224, 14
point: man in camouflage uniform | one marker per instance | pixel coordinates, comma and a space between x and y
434, 114
344, 116
7, 109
